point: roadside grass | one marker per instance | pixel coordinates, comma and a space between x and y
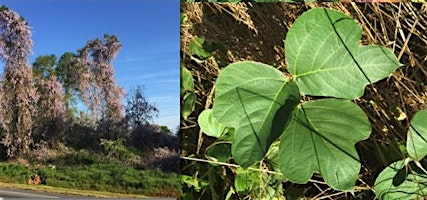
106, 179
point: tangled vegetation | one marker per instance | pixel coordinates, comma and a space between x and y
247, 133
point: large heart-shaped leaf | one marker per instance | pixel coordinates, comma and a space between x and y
400, 181
321, 138
416, 142
257, 100
323, 53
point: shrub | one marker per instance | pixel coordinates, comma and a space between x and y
148, 137
41, 153
165, 159
14, 172
82, 157
82, 137
114, 150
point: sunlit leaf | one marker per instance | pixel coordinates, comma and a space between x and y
257, 100
209, 125
197, 48
416, 142
198, 184
183, 18
325, 56
321, 138
400, 181
246, 179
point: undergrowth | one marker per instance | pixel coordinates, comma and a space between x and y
100, 177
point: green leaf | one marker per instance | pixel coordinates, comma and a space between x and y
273, 156
324, 54
220, 151
187, 83
198, 184
257, 100
209, 125
416, 142
273, 160
246, 180
197, 48
228, 135
229, 194
183, 18
399, 181
321, 138
187, 93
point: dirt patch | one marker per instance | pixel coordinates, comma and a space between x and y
35, 180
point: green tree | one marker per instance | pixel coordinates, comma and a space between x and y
44, 66
66, 71
138, 110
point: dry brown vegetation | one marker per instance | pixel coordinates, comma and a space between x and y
256, 31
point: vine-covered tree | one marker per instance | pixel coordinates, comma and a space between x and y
18, 95
50, 106
97, 86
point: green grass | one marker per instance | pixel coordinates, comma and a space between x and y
99, 177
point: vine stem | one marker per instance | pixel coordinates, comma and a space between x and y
230, 165
259, 170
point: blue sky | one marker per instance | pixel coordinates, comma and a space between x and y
148, 31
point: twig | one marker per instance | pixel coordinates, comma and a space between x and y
405, 45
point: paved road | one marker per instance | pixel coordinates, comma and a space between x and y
13, 194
